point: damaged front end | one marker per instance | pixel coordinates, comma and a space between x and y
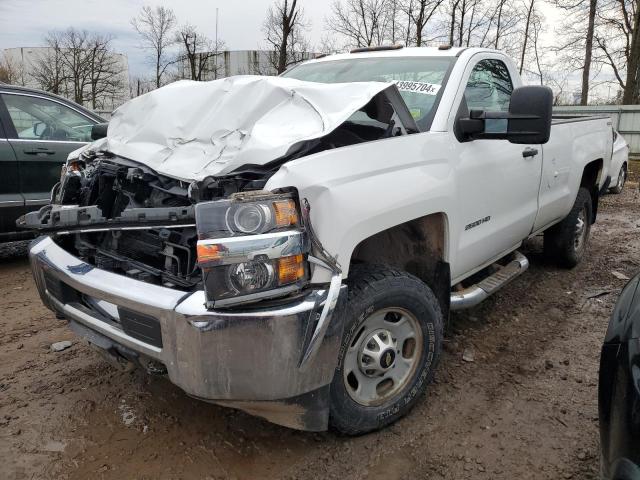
150, 275
206, 273
123, 218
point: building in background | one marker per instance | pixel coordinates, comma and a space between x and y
235, 62
103, 88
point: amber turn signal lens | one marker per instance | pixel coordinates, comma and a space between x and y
208, 253
285, 213
290, 269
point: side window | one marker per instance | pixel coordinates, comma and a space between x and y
36, 118
489, 87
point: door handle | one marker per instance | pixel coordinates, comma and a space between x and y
529, 152
38, 151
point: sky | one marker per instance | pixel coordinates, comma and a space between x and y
24, 23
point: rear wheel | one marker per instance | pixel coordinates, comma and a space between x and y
566, 241
620, 181
392, 342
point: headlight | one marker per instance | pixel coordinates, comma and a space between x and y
246, 215
250, 277
250, 248
251, 218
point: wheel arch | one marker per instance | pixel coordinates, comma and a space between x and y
419, 247
591, 179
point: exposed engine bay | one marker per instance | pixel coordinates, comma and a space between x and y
122, 217
163, 255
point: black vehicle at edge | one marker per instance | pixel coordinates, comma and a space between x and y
619, 389
38, 130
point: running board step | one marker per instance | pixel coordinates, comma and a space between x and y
473, 295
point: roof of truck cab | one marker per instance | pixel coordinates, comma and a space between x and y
404, 52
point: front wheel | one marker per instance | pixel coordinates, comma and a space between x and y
391, 346
566, 241
622, 178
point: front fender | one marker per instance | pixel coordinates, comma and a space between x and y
360, 190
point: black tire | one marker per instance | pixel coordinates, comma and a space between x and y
374, 288
563, 242
620, 180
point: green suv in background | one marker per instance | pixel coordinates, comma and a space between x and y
37, 132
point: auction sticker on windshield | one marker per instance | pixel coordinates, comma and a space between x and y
417, 87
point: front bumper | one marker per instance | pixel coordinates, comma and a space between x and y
237, 358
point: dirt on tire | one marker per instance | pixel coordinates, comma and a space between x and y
514, 396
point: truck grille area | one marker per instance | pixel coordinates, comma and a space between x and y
161, 256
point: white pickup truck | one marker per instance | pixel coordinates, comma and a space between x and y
292, 246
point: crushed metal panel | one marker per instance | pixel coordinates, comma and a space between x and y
190, 130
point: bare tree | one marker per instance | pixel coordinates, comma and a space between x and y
155, 26
535, 30
586, 70
104, 71
64, 68
558, 79
499, 22
362, 22
139, 86
11, 72
284, 30
328, 44
502, 24
453, 8
395, 26
618, 41
199, 53
576, 33
527, 27
74, 48
48, 69
470, 22
80, 66
419, 14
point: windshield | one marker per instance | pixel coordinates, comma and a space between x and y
419, 79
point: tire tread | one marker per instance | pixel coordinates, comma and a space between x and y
370, 281
558, 240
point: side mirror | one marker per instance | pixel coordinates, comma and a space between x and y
532, 108
39, 128
99, 130
528, 120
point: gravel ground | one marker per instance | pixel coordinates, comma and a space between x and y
525, 407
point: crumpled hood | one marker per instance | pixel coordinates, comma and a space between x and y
190, 130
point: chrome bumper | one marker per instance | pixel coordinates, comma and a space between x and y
264, 354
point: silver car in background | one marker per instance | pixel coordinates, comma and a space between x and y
619, 163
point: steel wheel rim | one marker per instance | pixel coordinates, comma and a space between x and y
392, 340
581, 231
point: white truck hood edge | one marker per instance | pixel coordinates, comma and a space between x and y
190, 130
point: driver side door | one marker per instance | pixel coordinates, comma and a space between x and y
42, 132
498, 181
